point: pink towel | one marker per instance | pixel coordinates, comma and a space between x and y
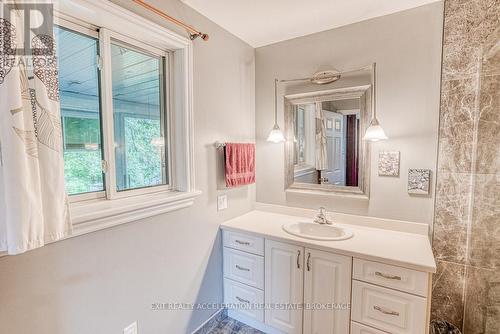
240, 164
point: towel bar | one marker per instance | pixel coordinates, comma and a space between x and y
219, 144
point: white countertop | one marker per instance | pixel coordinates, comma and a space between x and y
409, 250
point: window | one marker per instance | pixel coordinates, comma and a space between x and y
299, 142
125, 97
80, 111
139, 122
139, 118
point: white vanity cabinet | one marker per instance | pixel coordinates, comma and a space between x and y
280, 287
327, 282
296, 281
390, 298
284, 277
243, 264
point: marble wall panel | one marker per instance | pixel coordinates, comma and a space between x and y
456, 128
451, 216
484, 247
448, 293
466, 288
468, 26
491, 54
460, 57
488, 129
482, 306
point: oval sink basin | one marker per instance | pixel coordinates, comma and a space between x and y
317, 232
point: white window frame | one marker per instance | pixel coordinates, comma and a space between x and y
105, 37
98, 210
92, 32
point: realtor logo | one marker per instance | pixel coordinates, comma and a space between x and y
34, 22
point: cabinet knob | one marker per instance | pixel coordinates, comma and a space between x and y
298, 259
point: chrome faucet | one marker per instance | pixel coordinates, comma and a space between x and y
321, 217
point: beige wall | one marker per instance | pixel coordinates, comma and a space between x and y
101, 282
407, 49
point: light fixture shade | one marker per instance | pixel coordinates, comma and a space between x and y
374, 132
276, 135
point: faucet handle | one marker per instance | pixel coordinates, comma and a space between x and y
322, 215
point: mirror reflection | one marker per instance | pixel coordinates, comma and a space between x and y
326, 142
325, 125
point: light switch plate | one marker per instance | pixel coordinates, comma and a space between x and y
131, 329
221, 202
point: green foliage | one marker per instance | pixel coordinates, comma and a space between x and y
82, 171
142, 159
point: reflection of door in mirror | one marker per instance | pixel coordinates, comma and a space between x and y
340, 128
335, 174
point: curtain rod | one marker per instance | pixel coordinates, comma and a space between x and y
193, 33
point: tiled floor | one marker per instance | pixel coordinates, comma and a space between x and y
231, 326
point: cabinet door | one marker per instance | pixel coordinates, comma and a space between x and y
284, 279
327, 292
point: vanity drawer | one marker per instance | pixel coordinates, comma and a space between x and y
394, 277
244, 299
362, 329
243, 267
388, 310
245, 242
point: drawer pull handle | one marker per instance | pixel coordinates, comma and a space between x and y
308, 261
394, 277
242, 242
241, 268
243, 300
298, 259
384, 311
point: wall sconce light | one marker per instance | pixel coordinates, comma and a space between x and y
374, 131
276, 135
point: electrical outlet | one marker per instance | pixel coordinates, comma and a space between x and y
131, 329
221, 202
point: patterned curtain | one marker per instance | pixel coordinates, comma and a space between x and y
33, 201
321, 150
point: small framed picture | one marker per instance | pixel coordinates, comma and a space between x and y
388, 163
419, 181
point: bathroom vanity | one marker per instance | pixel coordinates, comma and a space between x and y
377, 281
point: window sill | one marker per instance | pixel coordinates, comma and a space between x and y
94, 215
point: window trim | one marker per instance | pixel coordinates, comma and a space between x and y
76, 25
89, 211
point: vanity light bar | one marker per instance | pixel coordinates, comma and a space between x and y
368, 67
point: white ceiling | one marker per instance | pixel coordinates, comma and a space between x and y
263, 22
